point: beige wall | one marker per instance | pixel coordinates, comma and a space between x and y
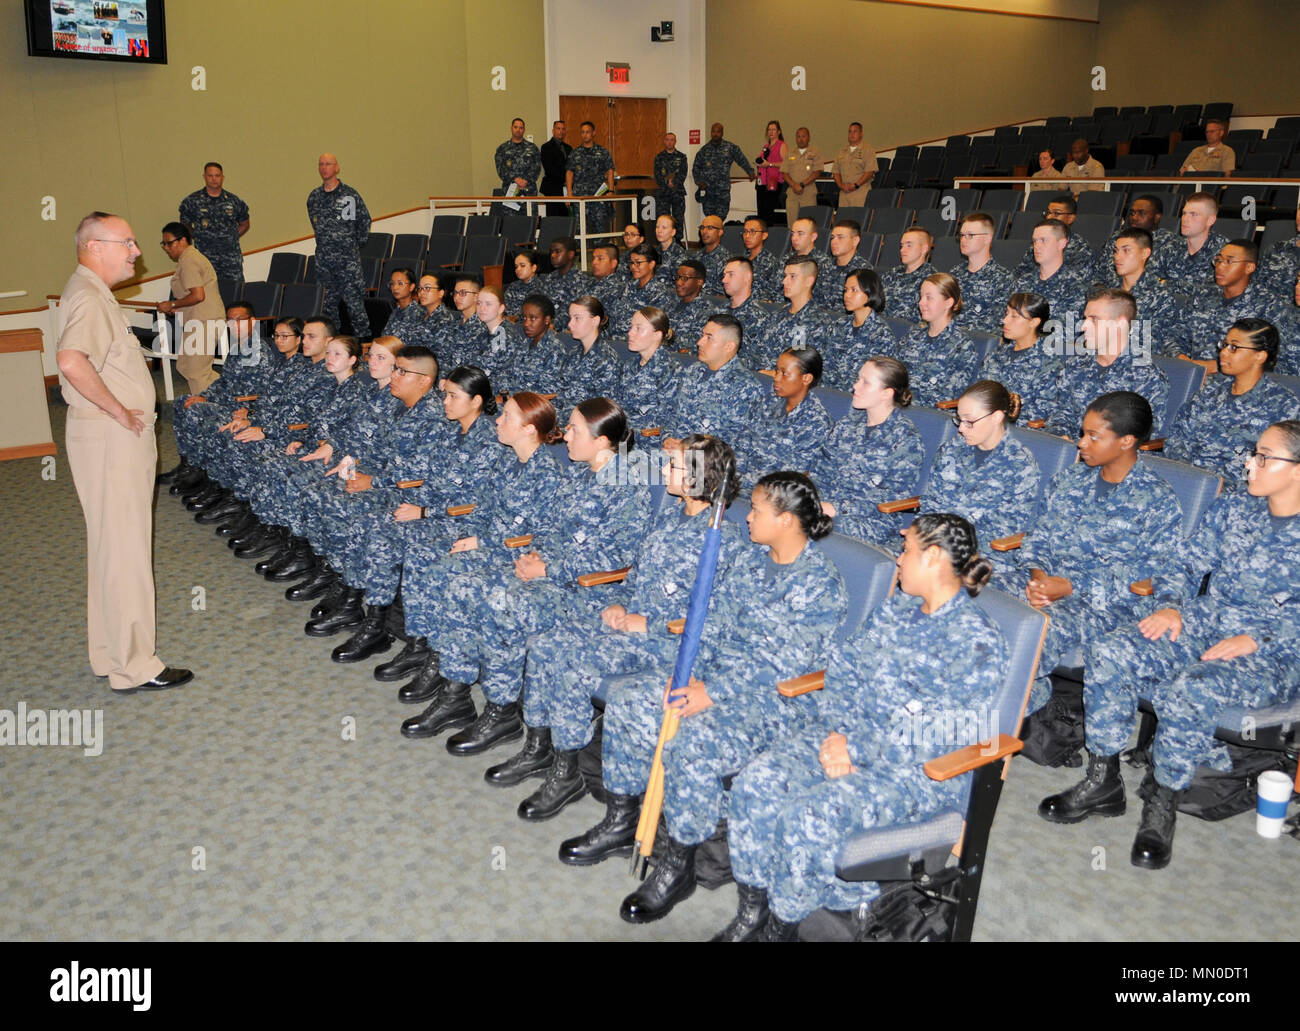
907, 73
1199, 51
390, 92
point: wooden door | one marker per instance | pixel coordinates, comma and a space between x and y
632, 128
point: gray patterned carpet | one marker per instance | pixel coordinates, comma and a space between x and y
233, 808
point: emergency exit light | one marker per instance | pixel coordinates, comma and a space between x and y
620, 73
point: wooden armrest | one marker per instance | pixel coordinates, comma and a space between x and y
408, 484
901, 505
1008, 543
547, 397
451, 264
296, 426
963, 760
522, 541
805, 684
946, 405
609, 576
677, 626
767, 372
652, 431
1036, 424
248, 397
1143, 587
460, 510
1153, 445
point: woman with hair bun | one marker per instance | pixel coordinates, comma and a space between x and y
648, 387
483, 620
1028, 360
985, 475
793, 424
591, 369
941, 358
772, 619
917, 681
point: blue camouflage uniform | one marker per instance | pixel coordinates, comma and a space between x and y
1034, 374
767, 622
670, 258
724, 403
1085, 381
863, 465
1253, 559
753, 317
768, 274
847, 347
688, 319
342, 225
409, 325
828, 290
589, 165
907, 688
246, 370
495, 351
648, 391
1066, 290
520, 160
214, 224
563, 288
671, 198
1078, 258
1100, 542
1160, 306
482, 629
939, 367
1217, 429
517, 291
711, 171
808, 327
537, 367
903, 289
1288, 354
715, 263
216, 450
1277, 269
611, 291
567, 662
655, 294
983, 295
587, 374
1211, 316
1186, 273
995, 491
780, 440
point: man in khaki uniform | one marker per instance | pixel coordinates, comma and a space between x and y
854, 167
195, 294
112, 454
1213, 155
1082, 165
801, 167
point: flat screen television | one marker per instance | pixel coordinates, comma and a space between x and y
97, 30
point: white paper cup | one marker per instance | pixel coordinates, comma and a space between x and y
1270, 810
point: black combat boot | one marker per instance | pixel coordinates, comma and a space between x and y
451, 707
751, 915
231, 508
777, 930
496, 724
175, 473
405, 662
193, 478
272, 538
238, 524
214, 494
530, 761
318, 583
1100, 792
301, 562
370, 637
615, 835
672, 881
426, 684
278, 558
563, 784
1153, 847
348, 614
332, 599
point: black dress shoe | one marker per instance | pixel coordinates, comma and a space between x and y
427, 682
615, 835
255, 532
1101, 792
316, 585
408, 660
563, 785
237, 524
171, 475
370, 638
453, 707
534, 759
271, 538
496, 724
348, 614
751, 915
332, 600
301, 562
171, 676
1153, 846
276, 559
209, 499
672, 881
232, 508
193, 478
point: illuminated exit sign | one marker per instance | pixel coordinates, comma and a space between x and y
620, 73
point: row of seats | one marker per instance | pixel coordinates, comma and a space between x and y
516, 230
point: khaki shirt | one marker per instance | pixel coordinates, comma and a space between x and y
853, 164
802, 167
91, 322
193, 269
1090, 169
1046, 173
1219, 158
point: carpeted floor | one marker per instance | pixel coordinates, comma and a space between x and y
234, 808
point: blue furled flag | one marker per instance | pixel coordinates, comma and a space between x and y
698, 609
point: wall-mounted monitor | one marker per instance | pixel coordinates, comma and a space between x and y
97, 30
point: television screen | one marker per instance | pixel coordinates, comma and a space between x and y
100, 30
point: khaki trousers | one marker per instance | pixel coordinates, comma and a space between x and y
113, 471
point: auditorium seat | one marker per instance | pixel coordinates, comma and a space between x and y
733, 240
410, 247
1236, 228
444, 250
778, 240
965, 198
1185, 379
519, 230
1000, 200
483, 252
286, 268
1101, 202
1275, 231
1008, 253
482, 225
264, 297
1052, 454
854, 214
883, 198
1022, 224
1096, 230
302, 300
821, 217
946, 253
933, 220
448, 224
918, 198
887, 221
869, 248
838, 403
377, 245
1127, 165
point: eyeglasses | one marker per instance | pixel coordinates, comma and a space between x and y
960, 423
1220, 260
1234, 348
164, 244
971, 236
464, 293
427, 287
686, 277
285, 336
128, 243
639, 261
1259, 458
399, 371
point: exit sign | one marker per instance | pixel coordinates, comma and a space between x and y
620, 73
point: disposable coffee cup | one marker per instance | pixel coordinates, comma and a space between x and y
1270, 811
